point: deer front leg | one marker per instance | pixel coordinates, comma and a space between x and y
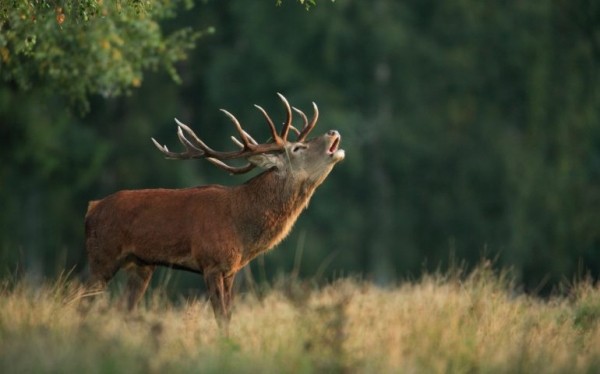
218, 299
228, 285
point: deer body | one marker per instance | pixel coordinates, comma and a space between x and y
213, 230
218, 228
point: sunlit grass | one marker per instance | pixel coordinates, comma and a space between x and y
440, 323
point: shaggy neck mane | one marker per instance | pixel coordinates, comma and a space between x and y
280, 199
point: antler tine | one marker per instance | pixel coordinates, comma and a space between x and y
162, 148
250, 138
276, 138
295, 130
244, 135
309, 126
231, 169
191, 151
186, 143
286, 126
237, 142
301, 113
200, 144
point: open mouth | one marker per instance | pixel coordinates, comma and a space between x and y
334, 150
334, 146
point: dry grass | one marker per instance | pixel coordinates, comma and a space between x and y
473, 323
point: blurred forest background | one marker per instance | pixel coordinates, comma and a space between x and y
471, 128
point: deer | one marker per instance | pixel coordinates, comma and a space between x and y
212, 230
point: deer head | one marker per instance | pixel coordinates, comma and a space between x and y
302, 159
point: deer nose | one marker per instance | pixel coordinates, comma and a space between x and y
333, 133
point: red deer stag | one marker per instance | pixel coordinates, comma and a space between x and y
213, 230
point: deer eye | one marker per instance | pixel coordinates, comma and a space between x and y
298, 148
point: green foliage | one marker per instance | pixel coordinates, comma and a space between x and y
78, 48
307, 3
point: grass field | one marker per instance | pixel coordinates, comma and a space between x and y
441, 323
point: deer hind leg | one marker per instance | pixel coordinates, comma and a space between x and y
102, 269
138, 279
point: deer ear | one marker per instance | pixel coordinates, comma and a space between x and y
265, 160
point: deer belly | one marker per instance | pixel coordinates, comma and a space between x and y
165, 251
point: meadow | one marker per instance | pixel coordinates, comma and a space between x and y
441, 323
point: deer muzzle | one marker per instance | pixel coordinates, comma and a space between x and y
333, 150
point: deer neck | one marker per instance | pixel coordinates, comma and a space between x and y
271, 203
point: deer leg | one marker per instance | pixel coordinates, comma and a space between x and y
228, 287
216, 291
139, 278
101, 272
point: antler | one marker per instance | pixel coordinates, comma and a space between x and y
195, 148
307, 126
